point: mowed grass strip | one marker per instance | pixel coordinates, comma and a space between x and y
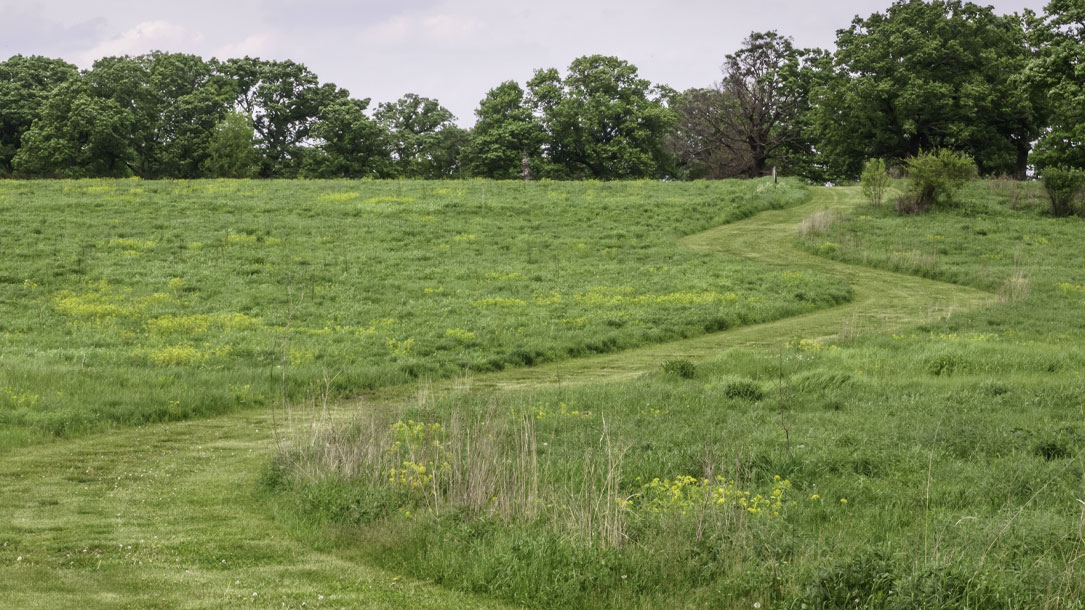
126, 302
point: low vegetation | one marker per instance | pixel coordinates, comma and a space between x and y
1066, 190
938, 466
125, 302
934, 179
874, 180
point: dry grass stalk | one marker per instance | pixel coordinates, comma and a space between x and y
818, 223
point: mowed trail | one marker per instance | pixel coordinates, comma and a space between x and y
167, 516
883, 301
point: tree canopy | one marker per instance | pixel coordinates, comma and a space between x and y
506, 135
1058, 74
925, 75
601, 121
26, 84
918, 76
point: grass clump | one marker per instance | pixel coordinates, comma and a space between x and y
744, 389
818, 223
679, 368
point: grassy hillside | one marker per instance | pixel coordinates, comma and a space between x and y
125, 302
936, 464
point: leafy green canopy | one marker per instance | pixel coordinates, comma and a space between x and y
925, 75
425, 141
26, 83
1058, 76
601, 121
506, 135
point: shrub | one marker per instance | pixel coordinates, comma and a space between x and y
909, 204
874, 181
934, 178
679, 368
744, 389
1066, 188
944, 365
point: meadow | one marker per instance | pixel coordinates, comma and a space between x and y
129, 302
605, 395
934, 464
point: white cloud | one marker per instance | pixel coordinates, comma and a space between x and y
254, 45
429, 29
144, 37
451, 28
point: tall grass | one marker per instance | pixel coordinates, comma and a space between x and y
934, 467
126, 302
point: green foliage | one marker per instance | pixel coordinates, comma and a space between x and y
744, 389
874, 181
351, 144
425, 141
601, 121
284, 99
230, 151
933, 179
1054, 73
26, 83
765, 96
926, 75
163, 300
1066, 189
753, 119
505, 136
78, 134
174, 101
680, 368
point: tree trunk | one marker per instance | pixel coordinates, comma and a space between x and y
1022, 159
525, 164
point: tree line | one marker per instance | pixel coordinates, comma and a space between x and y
922, 75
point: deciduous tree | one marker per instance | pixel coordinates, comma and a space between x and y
506, 136
752, 118
924, 75
425, 140
1058, 76
78, 135
349, 143
601, 121
26, 83
284, 99
230, 151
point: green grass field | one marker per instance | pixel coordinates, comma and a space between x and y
124, 302
890, 416
897, 460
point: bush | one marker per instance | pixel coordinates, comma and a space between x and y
874, 181
744, 389
680, 368
934, 178
1066, 188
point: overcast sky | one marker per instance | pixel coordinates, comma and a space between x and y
452, 50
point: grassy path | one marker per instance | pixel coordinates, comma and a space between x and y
883, 300
165, 516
